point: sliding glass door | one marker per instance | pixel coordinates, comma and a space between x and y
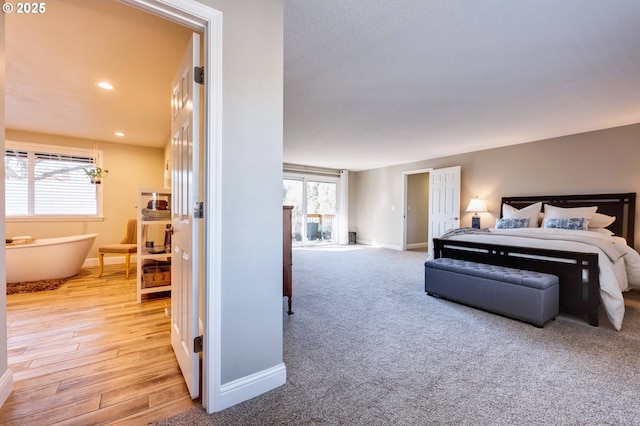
314, 204
321, 211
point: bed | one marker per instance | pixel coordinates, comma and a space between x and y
595, 266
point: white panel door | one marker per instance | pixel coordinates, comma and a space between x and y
185, 187
444, 201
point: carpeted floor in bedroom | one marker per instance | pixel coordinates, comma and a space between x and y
367, 346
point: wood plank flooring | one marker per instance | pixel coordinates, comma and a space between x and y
88, 354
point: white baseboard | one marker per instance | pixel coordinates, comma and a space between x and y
6, 386
417, 245
108, 260
248, 387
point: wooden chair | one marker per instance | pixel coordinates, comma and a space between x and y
127, 246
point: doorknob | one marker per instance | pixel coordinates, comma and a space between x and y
455, 218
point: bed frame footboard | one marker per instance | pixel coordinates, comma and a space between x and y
578, 273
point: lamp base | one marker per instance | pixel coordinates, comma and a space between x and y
475, 222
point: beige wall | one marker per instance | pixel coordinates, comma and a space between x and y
605, 161
130, 167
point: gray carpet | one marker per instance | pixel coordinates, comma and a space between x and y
367, 346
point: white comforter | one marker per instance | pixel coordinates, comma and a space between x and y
619, 264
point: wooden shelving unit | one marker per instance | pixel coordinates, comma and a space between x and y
154, 241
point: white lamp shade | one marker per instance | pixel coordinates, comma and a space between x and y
476, 205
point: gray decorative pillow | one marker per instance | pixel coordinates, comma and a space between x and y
512, 223
573, 223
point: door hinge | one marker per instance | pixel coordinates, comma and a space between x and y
198, 75
197, 344
198, 210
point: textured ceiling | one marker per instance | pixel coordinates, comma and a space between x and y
378, 82
368, 83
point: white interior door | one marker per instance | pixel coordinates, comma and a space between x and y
444, 201
185, 188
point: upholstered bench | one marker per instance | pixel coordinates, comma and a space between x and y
524, 295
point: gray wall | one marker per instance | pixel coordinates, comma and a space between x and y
252, 107
604, 161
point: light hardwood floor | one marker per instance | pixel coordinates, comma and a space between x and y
88, 354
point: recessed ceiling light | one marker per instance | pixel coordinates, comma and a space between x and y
105, 85
119, 134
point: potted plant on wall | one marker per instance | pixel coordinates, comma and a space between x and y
96, 174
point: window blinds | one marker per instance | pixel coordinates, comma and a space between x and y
48, 183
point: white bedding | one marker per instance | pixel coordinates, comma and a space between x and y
619, 264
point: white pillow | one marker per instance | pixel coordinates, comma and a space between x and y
600, 220
604, 231
553, 212
530, 212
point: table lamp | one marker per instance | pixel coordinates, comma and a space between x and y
476, 205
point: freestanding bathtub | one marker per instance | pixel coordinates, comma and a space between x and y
48, 258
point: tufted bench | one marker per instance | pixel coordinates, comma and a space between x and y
525, 295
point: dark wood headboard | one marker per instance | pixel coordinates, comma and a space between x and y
622, 206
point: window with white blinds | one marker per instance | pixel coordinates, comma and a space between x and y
44, 180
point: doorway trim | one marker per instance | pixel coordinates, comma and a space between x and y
405, 201
207, 21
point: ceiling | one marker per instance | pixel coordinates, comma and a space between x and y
367, 83
54, 61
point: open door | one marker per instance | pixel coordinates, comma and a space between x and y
185, 143
415, 214
444, 202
